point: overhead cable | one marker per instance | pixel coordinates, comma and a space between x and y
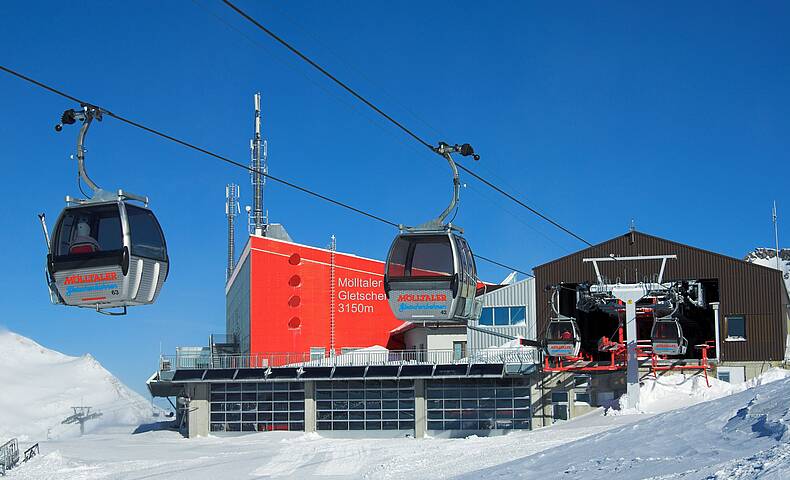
218, 156
392, 120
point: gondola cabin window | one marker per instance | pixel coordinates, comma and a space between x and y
147, 240
88, 230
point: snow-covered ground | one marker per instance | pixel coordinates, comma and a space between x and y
720, 432
740, 436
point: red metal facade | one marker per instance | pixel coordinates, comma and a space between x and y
291, 299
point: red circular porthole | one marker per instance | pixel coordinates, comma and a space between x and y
295, 281
295, 259
294, 322
295, 301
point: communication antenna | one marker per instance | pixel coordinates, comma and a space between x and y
776, 237
231, 210
258, 149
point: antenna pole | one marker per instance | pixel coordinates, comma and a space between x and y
231, 210
258, 150
776, 237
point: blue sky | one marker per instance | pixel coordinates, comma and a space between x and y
672, 113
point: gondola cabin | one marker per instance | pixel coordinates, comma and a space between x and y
667, 337
431, 277
562, 338
107, 254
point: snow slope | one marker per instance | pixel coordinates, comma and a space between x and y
38, 387
740, 436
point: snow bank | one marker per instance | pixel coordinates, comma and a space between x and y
678, 390
38, 387
738, 436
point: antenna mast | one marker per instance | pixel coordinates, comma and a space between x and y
258, 164
776, 237
231, 210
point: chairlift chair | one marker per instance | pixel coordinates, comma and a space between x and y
430, 275
667, 337
107, 251
562, 337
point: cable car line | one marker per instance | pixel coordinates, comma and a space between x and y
199, 149
393, 121
222, 158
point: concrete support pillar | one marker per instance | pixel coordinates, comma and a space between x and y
420, 409
198, 410
309, 407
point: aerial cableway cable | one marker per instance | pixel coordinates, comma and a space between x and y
221, 157
395, 122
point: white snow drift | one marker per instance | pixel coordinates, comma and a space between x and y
38, 387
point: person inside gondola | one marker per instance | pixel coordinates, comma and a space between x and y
83, 242
566, 335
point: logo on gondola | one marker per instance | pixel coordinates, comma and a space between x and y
91, 278
91, 282
426, 301
409, 297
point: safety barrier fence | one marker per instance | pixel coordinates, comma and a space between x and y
9, 455
31, 452
358, 358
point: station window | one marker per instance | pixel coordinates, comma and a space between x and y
736, 327
251, 407
478, 404
365, 405
502, 316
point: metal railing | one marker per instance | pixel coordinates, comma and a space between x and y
361, 358
9, 455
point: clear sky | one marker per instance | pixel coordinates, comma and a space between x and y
674, 114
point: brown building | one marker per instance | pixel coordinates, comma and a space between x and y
748, 302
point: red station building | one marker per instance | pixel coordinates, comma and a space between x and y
287, 297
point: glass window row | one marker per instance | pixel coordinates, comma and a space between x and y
367, 415
473, 414
257, 406
257, 427
257, 417
478, 382
253, 396
479, 425
479, 403
363, 394
363, 384
365, 405
483, 392
257, 387
367, 425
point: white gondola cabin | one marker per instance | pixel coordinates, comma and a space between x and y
107, 252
